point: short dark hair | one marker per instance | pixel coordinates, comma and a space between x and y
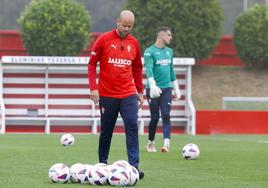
163, 28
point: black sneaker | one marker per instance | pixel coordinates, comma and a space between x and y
141, 174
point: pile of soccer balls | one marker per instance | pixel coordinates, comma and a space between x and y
120, 173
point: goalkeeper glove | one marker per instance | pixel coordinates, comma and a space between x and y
155, 91
176, 90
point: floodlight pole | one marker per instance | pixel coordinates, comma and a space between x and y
245, 5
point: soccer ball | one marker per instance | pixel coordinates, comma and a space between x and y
59, 173
134, 176
118, 176
134, 173
100, 165
98, 175
83, 174
67, 140
122, 163
74, 169
190, 151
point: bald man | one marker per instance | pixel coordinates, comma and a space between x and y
120, 88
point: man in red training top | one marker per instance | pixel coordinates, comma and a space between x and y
119, 89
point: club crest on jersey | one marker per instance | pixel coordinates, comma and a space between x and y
113, 46
119, 62
128, 48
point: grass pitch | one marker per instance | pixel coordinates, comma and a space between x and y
233, 161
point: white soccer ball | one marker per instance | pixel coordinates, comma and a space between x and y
98, 175
118, 176
134, 176
100, 165
74, 169
134, 173
190, 151
67, 139
59, 173
83, 174
122, 163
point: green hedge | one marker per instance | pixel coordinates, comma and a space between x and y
196, 25
55, 27
251, 36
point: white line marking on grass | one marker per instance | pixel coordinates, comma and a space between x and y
263, 141
231, 139
223, 139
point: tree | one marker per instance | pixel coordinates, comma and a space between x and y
196, 25
55, 27
251, 36
103, 12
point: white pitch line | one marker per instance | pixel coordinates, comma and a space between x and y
263, 141
231, 139
224, 139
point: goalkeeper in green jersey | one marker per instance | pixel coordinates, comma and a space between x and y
161, 79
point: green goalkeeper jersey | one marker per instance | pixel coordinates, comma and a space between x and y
159, 65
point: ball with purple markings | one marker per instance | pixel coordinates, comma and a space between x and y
67, 140
59, 173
